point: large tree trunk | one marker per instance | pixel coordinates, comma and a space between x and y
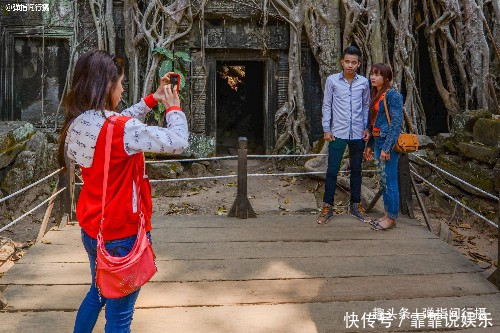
110, 27
404, 61
323, 31
295, 121
375, 35
478, 51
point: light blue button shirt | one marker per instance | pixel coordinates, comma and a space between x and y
346, 106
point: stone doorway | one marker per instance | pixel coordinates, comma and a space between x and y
254, 101
239, 106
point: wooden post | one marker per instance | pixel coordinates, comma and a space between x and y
374, 201
495, 276
242, 208
64, 212
46, 217
3, 301
404, 182
420, 203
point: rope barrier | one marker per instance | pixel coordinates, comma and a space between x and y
456, 178
285, 156
32, 210
290, 174
217, 158
29, 186
186, 179
455, 200
195, 159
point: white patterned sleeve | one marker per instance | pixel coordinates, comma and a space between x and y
137, 111
138, 137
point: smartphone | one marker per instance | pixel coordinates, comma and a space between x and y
175, 81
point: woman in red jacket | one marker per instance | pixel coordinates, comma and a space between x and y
95, 93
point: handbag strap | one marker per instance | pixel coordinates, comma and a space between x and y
389, 117
107, 157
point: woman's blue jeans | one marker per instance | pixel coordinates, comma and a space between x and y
119, 311
388, 172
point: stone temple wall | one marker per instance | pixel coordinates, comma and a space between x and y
36, 49
35, 57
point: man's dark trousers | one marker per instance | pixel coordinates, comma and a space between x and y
336, 149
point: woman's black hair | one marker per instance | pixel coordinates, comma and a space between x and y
95, 77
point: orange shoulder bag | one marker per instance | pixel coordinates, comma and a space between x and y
407, 142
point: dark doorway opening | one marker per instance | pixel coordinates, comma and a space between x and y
435, 112
240, 106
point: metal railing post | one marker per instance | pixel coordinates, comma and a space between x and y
242, 208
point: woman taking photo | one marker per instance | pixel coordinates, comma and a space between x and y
386, 127
109, 145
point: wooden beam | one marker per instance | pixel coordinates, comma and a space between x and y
46, 217
420, 203
405, 195
374, 201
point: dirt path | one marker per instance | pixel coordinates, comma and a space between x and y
268, 195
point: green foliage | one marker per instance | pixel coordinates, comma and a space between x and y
166, 66
52, 185
177, 62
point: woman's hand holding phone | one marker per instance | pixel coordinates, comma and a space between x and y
171, 97
159, 94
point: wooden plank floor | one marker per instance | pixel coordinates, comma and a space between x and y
270, 274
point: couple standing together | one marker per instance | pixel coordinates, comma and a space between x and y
355, 115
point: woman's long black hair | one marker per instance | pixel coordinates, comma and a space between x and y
95, 77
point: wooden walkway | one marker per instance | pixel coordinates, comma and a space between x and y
270, 274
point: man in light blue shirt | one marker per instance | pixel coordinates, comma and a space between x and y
346, 106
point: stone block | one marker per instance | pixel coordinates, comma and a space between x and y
22, 172
451, 146
470, 171
441, 138
462, 124
487, 132
198, 170
200, 146
425, 142
8, 156
13, 136
479, 152
164, 170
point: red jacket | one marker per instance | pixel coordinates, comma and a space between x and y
121, 213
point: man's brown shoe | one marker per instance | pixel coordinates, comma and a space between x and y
326, 214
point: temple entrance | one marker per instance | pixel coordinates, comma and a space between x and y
239, 106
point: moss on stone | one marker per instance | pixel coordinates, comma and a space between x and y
462, 124
451, 146
487, 132
479, 152
469, 171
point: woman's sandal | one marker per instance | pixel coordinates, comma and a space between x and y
377, 226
